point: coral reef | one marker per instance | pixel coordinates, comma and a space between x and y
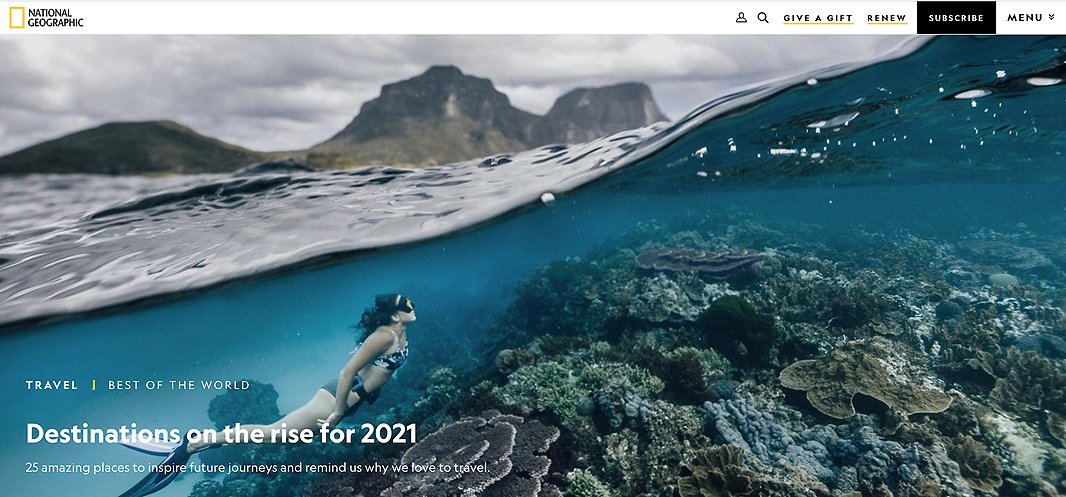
982, 470
992, 249
797, 459
582, 483
661, 298
256, 404
734, 328
659, 371
441, 389
255, 486
508, 360
591, 299
561, 389
730, 265
871, 368
510, 448
546, 386
691, 374
1028, 384
672, 434
1056, 426
850, 307
718, 471
746, 422
348, 485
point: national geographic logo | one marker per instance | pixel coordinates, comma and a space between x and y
21, 17
16, 17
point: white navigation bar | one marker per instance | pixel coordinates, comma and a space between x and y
498, 18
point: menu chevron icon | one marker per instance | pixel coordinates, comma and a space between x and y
1051, 16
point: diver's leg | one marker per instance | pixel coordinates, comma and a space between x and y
319, 407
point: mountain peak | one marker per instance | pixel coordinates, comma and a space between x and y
442, 93
443, 71
585, 114
623, 104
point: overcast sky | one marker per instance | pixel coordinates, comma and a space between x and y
290, 92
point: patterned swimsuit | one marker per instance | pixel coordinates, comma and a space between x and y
388, 362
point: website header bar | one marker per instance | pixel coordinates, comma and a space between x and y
503, 18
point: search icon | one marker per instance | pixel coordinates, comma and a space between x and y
763, 18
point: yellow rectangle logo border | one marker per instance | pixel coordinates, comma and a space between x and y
11, 17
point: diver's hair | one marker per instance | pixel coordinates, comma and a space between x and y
373, 318
385, 305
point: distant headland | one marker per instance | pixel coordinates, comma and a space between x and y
437, 117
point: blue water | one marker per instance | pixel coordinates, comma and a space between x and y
913, 160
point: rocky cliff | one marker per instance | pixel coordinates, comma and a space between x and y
437, 117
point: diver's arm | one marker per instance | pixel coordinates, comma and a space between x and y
373, 346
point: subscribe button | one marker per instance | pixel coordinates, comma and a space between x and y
956, 18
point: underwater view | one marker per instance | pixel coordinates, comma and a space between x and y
846, 282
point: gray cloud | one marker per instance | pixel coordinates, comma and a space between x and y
288, 92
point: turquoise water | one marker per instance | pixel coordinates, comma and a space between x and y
912, 161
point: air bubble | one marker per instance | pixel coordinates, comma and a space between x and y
977, 93
1043, 81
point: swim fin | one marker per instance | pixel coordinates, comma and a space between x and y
163, 475
154, 447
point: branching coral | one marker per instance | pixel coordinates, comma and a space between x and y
688, 372
546, 386
561, 389
582, 483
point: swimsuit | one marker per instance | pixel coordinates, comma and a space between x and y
357, 387
391, 362
388, 362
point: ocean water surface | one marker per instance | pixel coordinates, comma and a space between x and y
940, 165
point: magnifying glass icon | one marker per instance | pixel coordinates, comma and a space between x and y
763, 18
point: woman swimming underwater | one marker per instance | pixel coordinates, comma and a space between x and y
382, 351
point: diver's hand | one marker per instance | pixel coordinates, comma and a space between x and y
332, 420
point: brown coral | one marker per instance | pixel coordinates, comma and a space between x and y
981, 470
833, 380
1056, 426
1028, 384
718, 472
721, 265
